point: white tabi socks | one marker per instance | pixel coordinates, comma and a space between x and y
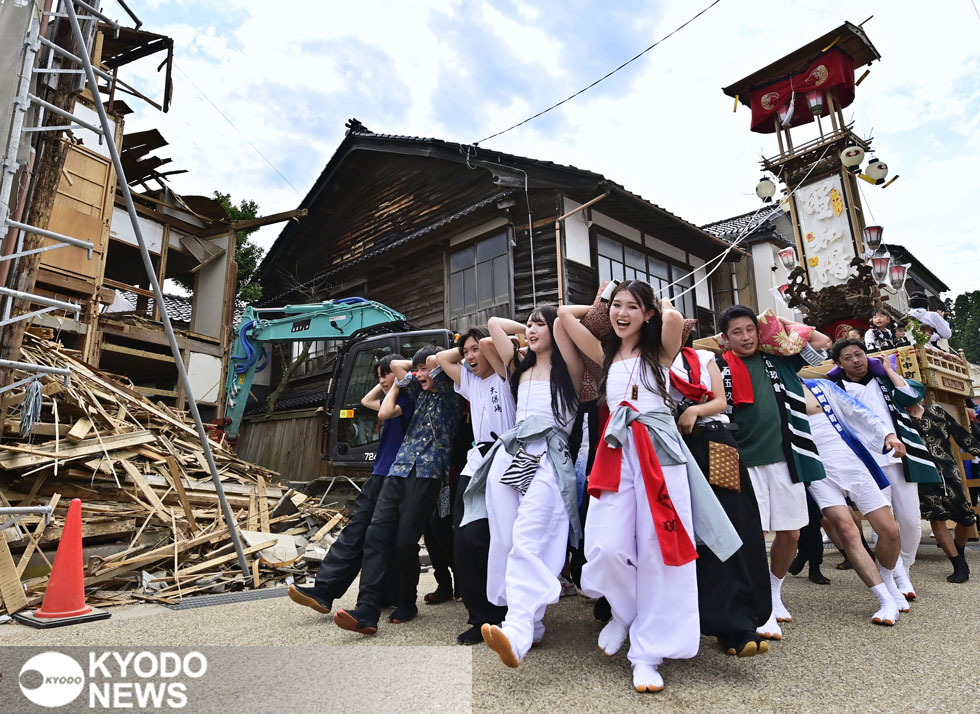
612, 637
888, 612
646, 678
779, 610
902, 581
888, 576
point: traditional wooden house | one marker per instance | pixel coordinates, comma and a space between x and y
440, 232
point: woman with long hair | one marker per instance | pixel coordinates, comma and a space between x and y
528, 482
639, 534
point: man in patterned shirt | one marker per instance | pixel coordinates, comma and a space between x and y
409, 495
947, 501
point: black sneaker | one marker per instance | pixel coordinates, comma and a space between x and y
310, 598
472, 636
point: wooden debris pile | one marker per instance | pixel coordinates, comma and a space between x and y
146, 492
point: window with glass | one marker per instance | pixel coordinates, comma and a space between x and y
320, 356
479, 276
619, 261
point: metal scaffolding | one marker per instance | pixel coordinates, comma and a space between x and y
24, 101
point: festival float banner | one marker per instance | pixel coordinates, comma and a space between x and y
828, 245
833, 70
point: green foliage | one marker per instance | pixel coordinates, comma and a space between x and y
963, 314
247, 254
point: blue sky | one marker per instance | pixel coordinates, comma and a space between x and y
289, 74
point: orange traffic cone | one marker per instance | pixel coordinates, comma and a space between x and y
64, 600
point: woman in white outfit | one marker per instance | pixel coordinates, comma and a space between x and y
639, 545
528, 481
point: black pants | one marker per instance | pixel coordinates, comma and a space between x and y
810, 546
472, 545
575, 438
403, 511
343, 560
439, 544
734, 596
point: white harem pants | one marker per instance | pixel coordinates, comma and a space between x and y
905, 505
528, 544
659, 603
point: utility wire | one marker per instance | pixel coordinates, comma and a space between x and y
225, 117
975, 9
602, 78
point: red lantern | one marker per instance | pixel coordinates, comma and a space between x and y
879, 267
872, 236
815, 100
896, 276
788, 257
785, 113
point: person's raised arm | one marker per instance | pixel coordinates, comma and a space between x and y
389, 405
450, 362
401, 367
490, 352
500, 331
573, 360
587, 343
670, 335
372, 400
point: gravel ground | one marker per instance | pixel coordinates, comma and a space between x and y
831, 658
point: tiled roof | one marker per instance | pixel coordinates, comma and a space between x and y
178, 307
315, 397
755, 225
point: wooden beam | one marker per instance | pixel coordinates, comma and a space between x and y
154, 392
35, 538
11, 591
257, 222
223, 559
157, 337
79, 431
140, 480
110, 347
44, 454
177, 479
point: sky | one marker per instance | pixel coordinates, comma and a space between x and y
288, 75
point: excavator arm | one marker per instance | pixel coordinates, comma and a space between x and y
331, 320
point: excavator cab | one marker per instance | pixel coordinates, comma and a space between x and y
351, 431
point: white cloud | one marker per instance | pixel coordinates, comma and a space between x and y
288, 74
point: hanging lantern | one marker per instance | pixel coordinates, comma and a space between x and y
876, 171
872, 236
879, 267
783, 289
784, 203
785, 113
765, 189
896, 275
788, 257
851, 157
815, 100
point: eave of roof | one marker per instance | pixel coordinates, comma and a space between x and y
509, 170
850, 39
903, 253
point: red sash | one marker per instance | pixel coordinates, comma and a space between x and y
676, 546
693, 390
742, 392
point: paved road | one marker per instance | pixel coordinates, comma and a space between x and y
831, 660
